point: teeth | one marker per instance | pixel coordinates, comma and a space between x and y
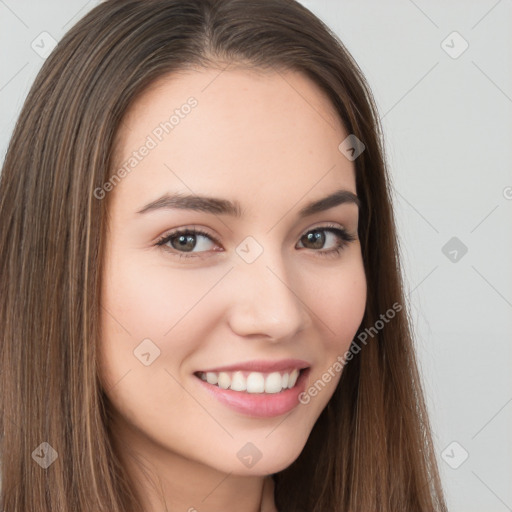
211, 378
252, 382
274, 383
292, 378
224, 380
238, 382
256, 383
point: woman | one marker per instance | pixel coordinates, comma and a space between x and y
202, 302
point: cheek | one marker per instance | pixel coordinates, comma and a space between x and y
150, 302
155, 300
339, 301
169, 306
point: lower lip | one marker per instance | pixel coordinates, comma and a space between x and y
259, 405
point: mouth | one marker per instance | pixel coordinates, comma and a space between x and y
255, 394
252, 382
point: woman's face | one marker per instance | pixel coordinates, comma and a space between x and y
263, 283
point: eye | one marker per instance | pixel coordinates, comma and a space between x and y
182, 241
317, 238
185, 240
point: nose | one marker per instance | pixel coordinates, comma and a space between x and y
266, 301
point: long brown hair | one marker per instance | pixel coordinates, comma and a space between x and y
371, 448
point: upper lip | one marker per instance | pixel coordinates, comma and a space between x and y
262, 366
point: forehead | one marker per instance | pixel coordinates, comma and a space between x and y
233, 131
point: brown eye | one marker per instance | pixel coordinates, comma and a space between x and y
183, 241
186, 242
316, 239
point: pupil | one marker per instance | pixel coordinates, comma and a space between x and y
316, 236
184, 239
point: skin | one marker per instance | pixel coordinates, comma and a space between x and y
269, 140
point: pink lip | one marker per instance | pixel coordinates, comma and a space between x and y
259, 405
262, 366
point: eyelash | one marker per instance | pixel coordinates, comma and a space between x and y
340, 232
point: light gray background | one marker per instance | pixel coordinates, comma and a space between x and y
448, 128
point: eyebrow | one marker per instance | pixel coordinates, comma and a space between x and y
220, 206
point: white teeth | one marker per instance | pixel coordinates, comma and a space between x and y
238, 382
211, 378
293, 378
253, 382
224, 380
274, 383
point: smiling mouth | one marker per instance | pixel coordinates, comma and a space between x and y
253, 382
